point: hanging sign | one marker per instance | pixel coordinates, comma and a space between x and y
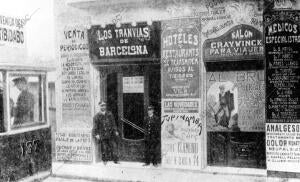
282, 40
127, 41
241, 42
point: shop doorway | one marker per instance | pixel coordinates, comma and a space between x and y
129, 91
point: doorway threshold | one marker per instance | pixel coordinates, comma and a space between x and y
235, 171
135, 171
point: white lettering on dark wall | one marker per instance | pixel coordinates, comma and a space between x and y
123, 50
123, 33
180, 38
282, 27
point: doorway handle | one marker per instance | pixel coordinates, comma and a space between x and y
133, 125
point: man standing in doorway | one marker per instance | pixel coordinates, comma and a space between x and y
152, 138
106, 134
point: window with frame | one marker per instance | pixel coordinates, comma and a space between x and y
27, 103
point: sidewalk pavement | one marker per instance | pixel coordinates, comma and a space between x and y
133, 171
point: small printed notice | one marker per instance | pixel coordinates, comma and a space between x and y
73, 146
283, 147
134, 84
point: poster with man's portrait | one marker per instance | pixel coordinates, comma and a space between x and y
235, 101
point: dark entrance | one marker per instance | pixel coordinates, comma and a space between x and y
129, 91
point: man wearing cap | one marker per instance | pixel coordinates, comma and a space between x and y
106, 134
152, 137
25, 102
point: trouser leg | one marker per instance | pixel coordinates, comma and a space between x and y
155, 152
114, 150
105, 150
147, 152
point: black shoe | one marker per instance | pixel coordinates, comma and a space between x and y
155, 164
146, 164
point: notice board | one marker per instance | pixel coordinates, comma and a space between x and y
181, 135
282, 41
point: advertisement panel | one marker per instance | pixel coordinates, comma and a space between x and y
241, 42
181, 134
75, 78
181, 140
127, 41
180, 59
181, 105
235, 101
73, 146
282, 41
75, 88
12, 39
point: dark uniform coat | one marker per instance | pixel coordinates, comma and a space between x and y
105, 127
24, 108
152, 139
223, 114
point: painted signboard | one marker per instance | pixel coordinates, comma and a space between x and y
181, 105
127, 41
181, 140
181, 132
180, 59
282, 40
73, 146
12, 39
76, 110
235, 101
239, 43
231, 31
75, 79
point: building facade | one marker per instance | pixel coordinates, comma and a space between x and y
203, 65
25, 132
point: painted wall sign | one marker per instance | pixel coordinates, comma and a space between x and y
239, 43
73, 146
134, 84
282, 40
235, 101
181, 105
181, 94
11, 30
12, 39
75, 80
127, 41
180, 59
282, 37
